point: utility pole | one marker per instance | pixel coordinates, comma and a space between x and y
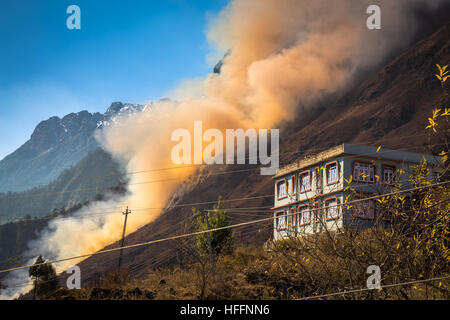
211, 256
126, 213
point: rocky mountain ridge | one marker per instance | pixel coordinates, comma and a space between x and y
57, 144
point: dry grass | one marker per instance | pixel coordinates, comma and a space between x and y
295, 270
292, 270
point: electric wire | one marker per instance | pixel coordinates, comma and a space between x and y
315, 149
207, 231
367, 289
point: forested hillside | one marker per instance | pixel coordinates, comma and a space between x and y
86, 181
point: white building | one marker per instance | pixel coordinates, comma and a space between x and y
312, 191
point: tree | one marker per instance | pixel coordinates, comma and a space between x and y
55, 212
210, 245
216, 242
408, 239
221, 240
44, 277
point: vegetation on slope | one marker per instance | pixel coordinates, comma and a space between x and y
86, 181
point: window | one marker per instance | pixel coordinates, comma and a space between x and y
281, 220
388, 174
304, 215
292, 219
294, 185
331, 209
288, 183
364, 209
318, 180
304, 179
332, 172
317, 212
282, 189
363, 172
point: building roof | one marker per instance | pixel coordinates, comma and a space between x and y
357, 150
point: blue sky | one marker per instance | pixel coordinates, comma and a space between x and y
130, 51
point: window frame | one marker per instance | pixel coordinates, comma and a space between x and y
326, 205
293, 217
368, 163
318, 212
278, 193
372, 205
326, 172
394, 169
317, 177
300, 215
300, 181
294, 183
277, 214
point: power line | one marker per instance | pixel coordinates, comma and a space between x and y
88, 214
199, 165
159, 260
50, 216
130, 184
380, 195
139, 244
160, 232
178, 178
144, 209
366, 289
317, 296
241, 213
206, 231
92, 214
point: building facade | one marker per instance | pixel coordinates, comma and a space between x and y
309, 194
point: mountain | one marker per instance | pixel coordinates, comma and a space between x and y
15, 236
57, 144
390, 108
85, 181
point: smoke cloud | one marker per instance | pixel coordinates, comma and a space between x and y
284, 56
